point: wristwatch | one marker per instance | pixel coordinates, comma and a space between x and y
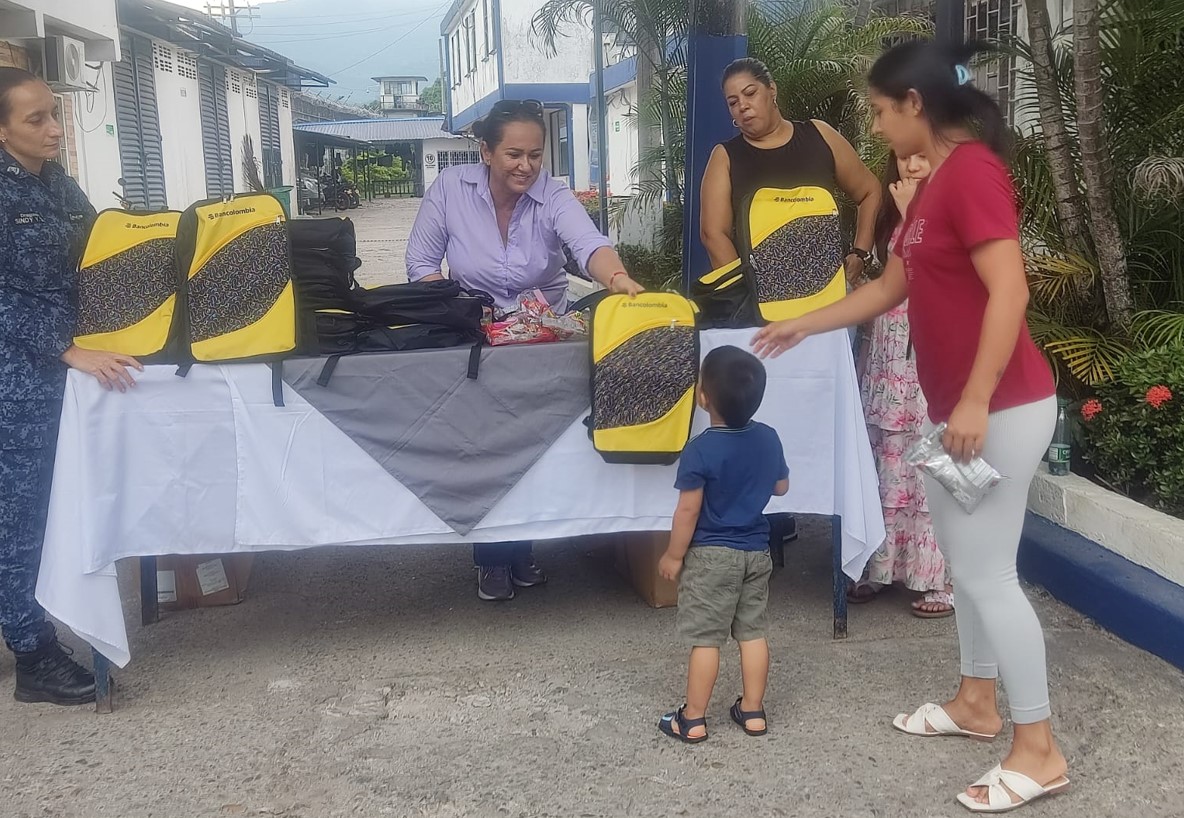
862, 255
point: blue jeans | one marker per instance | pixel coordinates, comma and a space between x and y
493, 554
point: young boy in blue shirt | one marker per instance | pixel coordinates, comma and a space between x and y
719, 541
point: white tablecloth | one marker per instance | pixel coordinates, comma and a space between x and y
207, 464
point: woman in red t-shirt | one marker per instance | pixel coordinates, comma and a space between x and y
959, 264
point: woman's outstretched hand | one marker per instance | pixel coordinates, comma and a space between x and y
110, 369
773, 339
625, 285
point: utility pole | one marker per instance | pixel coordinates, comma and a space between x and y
718, 35
601, 114
224, 10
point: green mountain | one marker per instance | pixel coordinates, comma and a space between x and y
352, 40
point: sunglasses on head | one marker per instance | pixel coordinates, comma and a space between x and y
513, 107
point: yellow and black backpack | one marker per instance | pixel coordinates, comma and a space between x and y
645, 366
235, 271
127, 286
791, 260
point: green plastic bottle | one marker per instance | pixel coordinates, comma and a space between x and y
1059, 451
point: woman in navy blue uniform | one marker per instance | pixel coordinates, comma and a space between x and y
44, 220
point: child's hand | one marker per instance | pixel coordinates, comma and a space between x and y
669, 567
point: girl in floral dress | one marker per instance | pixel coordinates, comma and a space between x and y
895, 409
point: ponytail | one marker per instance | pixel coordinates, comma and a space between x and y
940, 76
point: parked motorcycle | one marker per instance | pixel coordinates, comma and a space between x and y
341, 194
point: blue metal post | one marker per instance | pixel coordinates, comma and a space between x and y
839, 578
103, 703
708, 121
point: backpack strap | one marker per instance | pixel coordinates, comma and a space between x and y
475, 358
327, 370
277, 383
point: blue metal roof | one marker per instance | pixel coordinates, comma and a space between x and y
382, 130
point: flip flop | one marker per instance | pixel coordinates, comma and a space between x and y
742, 718
937, 718
935, 598
999, 782
685, 725
861, 593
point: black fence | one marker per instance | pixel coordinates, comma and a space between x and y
391, 188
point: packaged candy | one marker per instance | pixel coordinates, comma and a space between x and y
969, 482
534, 322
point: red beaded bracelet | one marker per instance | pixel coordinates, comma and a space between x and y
614, 275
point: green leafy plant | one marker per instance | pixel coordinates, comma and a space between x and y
1143, 120
1134, 428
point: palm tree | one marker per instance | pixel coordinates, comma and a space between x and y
1142, 120
657, 29
1052, 126
1095, 162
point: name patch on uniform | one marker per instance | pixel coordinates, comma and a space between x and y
27, 218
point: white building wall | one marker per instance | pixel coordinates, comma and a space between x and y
179, 107
287, 138
95, 135
431, 150
581, 170
524, 57
622, 141
92, 21
242, 104
472, 79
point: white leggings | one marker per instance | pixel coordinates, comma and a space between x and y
998, 632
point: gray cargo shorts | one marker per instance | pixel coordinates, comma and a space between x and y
723, 590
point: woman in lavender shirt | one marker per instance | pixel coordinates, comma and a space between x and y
502, 225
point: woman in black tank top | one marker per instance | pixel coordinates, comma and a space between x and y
770, 151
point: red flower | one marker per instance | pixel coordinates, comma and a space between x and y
1091, 409
1157, 396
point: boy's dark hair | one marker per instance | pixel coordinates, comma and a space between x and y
734, 383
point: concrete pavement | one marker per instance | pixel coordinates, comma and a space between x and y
370, 681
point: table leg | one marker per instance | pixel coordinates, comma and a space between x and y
839, 578
103, 703
149, 599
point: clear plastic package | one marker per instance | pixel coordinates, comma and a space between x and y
969, 482
534, 322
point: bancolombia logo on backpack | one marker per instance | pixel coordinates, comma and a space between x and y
242, 211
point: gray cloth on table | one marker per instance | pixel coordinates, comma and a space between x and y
458, 444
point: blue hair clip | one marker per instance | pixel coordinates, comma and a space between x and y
963, 74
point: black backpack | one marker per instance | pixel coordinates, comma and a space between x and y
442, 303
324, 258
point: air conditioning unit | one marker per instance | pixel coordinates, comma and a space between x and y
64, 61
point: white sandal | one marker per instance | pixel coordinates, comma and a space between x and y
939, 720
1001, 784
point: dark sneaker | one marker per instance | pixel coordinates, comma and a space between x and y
526, 574
493, 583
50, 675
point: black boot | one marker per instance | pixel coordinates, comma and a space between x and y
50, 675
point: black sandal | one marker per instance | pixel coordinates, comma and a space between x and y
685, 725
742, 718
